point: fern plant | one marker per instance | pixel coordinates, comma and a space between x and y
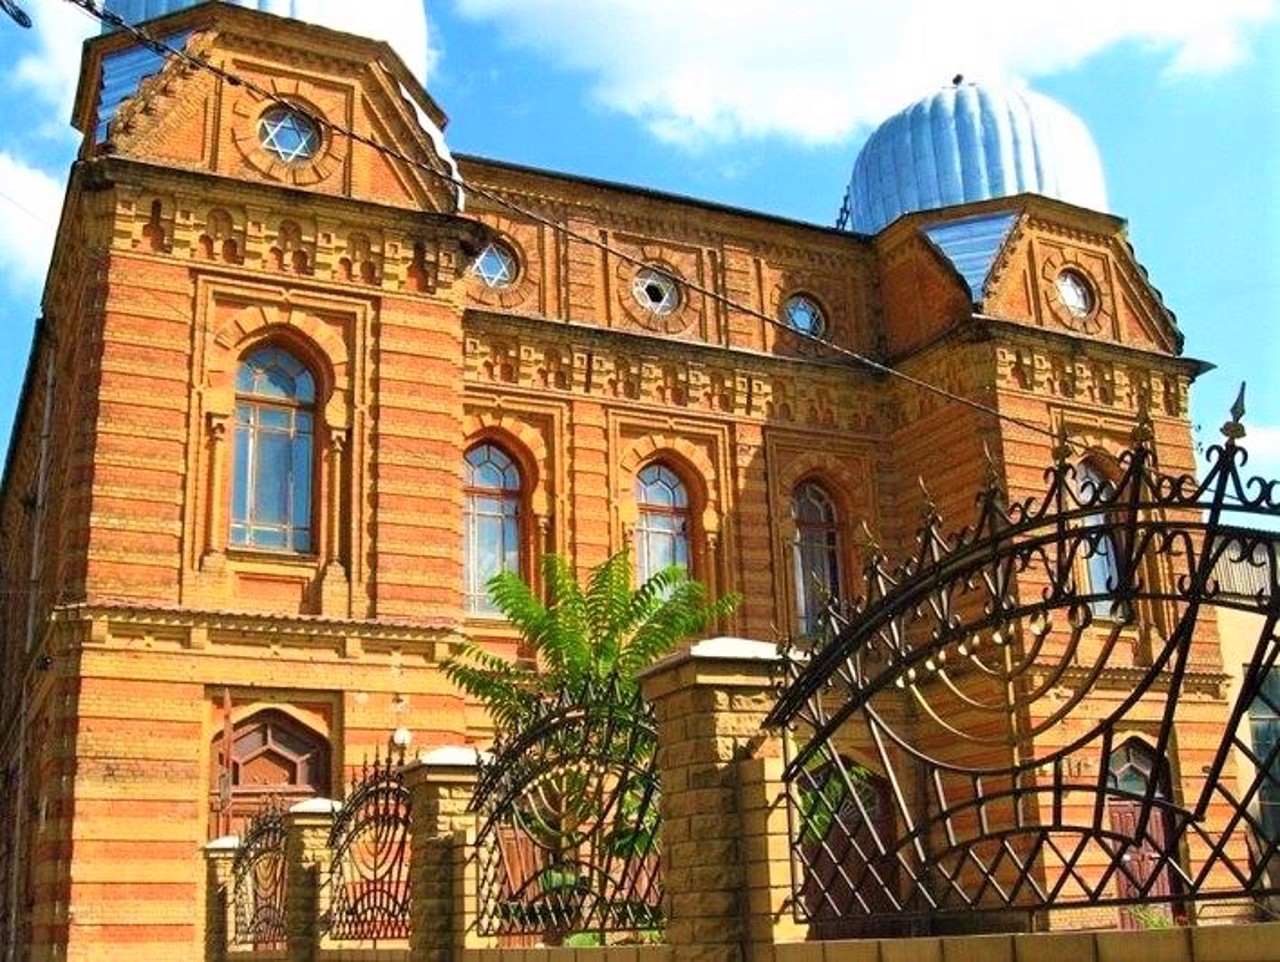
605, 629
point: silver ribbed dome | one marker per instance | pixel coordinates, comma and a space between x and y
971, 142
401, 23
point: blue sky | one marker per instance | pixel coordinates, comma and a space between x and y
763, 104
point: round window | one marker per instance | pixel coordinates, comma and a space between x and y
1076, 293
656, 291
804, 315
289, 135
496, 266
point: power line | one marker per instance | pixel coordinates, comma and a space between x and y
167, 50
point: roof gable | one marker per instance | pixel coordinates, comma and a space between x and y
164, 109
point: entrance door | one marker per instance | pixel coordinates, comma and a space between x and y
274, 759
1130, 770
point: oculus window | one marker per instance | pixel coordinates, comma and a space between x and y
271, 484
289, 135
496, 266
802, 313
1076, 293
656, 291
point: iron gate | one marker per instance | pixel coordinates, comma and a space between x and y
259, 876
369, 875
569, 812
1027, 714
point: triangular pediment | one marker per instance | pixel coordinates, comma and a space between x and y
164, 109
1067, 269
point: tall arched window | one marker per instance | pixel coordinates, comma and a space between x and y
817, 554
1102, 566
662, 522
271, 491
491, 521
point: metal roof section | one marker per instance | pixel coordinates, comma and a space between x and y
122, 72
968, 143
972, 246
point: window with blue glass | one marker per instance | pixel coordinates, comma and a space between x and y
271, 489
662, 522
1102, 561
1264, 731
491, 522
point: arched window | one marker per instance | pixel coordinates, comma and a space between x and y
271, 489
662, 523
491, 521
817, 554
1102, 566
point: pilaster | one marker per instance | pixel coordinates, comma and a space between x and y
724, 835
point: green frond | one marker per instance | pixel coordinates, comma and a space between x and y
506, 689
608, 598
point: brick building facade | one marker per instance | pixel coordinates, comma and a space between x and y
179, 630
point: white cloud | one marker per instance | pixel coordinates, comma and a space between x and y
51, 70
1262, 441
816, 70
30, 203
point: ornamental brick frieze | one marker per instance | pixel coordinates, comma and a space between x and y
1096, 382
822, 398
228, 231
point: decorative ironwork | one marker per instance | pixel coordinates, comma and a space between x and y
369, 876
259, 878
569, 840
1030, 714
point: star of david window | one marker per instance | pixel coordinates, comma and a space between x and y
655, 291
496, 266
288, 135
803, 314
1076, 293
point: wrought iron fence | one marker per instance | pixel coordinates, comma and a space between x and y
569, 805
994, 727
369, 875
259, 877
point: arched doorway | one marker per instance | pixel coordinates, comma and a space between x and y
847, 813
1131, 768
266, 758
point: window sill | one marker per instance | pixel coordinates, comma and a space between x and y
263, 556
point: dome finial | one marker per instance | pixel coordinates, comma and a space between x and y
957, 80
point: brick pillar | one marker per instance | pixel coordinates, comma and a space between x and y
442, 889
724, 824
307, 859
219, 923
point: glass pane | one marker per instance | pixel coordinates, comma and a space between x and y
271, 479
301, 482
240, 473
269, 538
275, 419
511, 546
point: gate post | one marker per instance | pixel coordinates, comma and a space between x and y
441, 902
219, 855
306, 852
725, 849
